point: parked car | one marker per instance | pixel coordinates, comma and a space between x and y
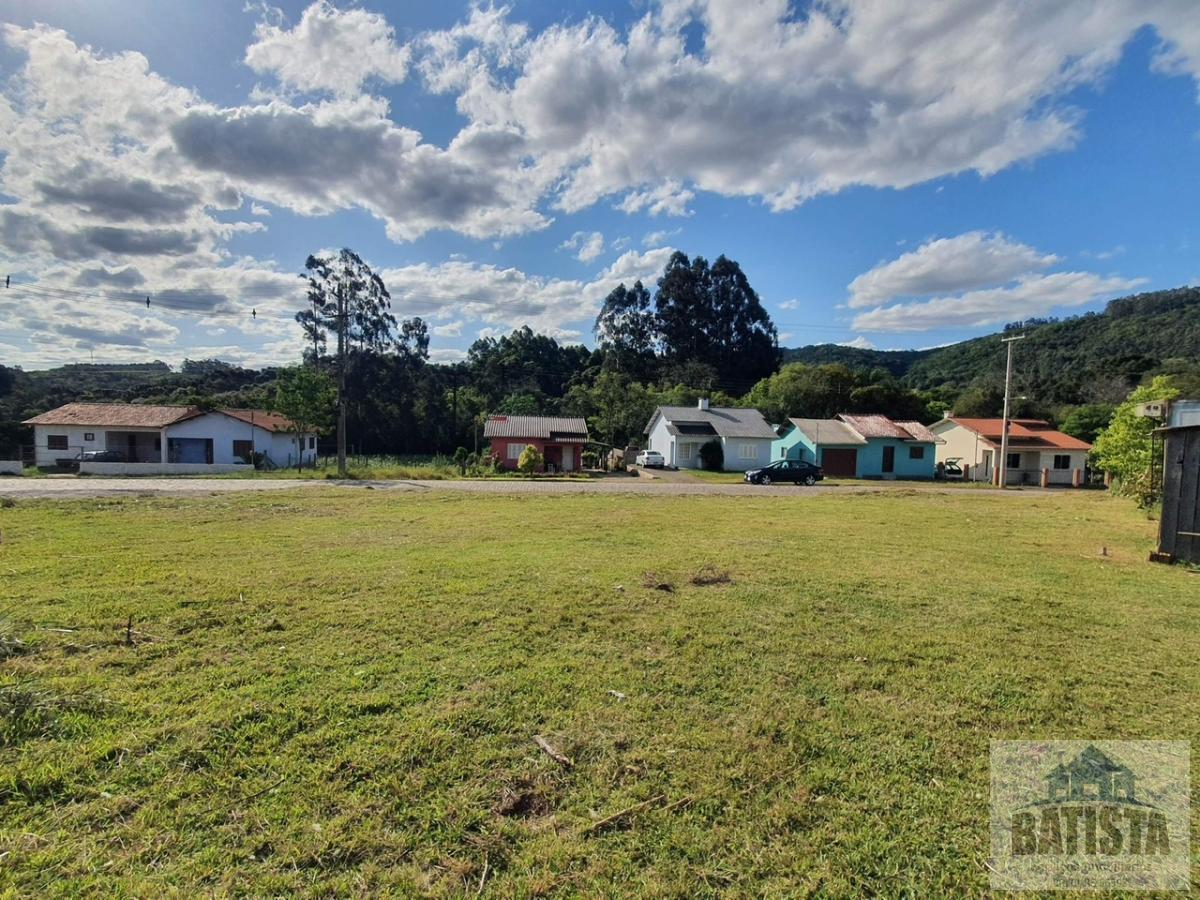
101, 456
651, 459
951, 469
786, 470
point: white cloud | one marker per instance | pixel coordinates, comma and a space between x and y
588, 245
330, 49
447, 355
1032, 295
948, 265
859, 343
658, 238
257, 209
450, 329
790, 304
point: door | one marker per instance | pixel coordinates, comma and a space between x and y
889, 460
843, 462
568, 462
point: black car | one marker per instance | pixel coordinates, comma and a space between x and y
789, 470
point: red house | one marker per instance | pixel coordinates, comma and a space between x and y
560, 439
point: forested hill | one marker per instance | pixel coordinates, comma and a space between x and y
1083, 359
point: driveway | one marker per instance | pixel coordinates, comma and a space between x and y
66, 488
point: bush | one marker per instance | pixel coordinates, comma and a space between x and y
712, 457
589, 459
531, 460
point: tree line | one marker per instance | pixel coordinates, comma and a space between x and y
699, 330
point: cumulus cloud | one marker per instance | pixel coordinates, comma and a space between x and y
947, 265
329, 49
1033, 295
586, 244
859, 343
658, 238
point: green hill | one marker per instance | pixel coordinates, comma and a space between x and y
1097, 356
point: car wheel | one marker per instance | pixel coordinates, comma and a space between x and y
809, 480
766, 479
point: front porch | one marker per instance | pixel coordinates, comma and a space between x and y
562, 457
137, 446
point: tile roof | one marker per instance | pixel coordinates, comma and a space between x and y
115, 415
828, 431
874, 426
261, 418
919, 432
1029, 433
570, 429
726, 421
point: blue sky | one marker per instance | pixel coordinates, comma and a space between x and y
888, 175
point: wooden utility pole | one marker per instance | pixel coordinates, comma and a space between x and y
341, 397
1002, 468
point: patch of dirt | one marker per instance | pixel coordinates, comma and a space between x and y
523, 799
711, 575
656, 582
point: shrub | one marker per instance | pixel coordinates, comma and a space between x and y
461, 456
531, 460
589, 459
712, 457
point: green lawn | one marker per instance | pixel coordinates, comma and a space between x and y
336, 691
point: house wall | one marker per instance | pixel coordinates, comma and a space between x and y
11, 467
560, 452
663, 441
962, 443
870, 459
794, 445
735, 462
46, 458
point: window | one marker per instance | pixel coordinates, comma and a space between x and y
1014, 461
56, 442
312, 443
1062, 461
782, 452
748, 451
515, 451
243, 450
916, 452
89, 436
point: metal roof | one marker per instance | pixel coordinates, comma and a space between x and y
875, 426
828, 431
116, 415
726, 421
559, 428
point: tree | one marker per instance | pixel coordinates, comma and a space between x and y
712, 457
348, 298
626, 331
1123, 448
530, 460
713, 315
1086, 422
803, 391
306, 396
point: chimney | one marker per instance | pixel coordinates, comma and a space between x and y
702, 403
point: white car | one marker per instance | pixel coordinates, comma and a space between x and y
651, 459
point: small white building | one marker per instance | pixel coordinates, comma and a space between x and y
143, 439
1033, 445
678, 433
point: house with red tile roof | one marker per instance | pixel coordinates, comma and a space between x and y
860, 446
1034, 446
134, 438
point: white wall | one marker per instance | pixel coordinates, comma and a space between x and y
662, 441
961, 443
735, 462
11, 467
45, 457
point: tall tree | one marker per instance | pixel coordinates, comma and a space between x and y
348, 298
626, 331
1123, 448
713, 315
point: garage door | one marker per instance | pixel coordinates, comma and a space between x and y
840, 462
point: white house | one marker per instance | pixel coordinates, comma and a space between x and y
678, 432
167, 439
1033, 445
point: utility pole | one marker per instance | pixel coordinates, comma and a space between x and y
341, 398
1003, 463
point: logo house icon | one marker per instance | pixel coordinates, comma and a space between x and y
1090, 808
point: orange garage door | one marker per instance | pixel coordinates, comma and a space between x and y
840, 462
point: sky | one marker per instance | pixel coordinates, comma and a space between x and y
889, 175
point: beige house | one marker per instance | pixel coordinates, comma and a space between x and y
1033, 446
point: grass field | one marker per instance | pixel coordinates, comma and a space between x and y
337, 693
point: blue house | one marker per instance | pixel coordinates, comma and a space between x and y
853, 446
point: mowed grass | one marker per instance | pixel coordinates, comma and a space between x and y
336, 692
